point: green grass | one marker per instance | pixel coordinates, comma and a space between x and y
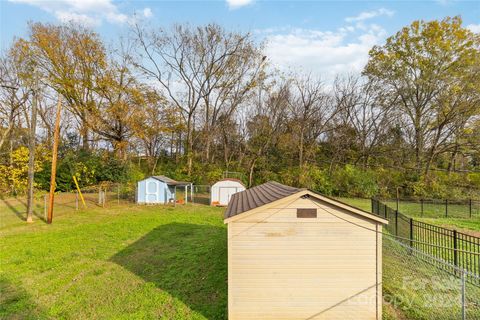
128, 262
418, 290
361, 203
121, 262
471, 226
436, 210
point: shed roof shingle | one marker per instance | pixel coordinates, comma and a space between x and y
170, 181
258, 196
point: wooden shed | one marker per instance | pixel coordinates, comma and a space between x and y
223, 190
296, 254
161, 189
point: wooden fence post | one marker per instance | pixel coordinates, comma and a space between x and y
421, 206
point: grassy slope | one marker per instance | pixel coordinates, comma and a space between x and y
124, 263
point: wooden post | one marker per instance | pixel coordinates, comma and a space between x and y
186, 194
421, 206
54, 161
191, 192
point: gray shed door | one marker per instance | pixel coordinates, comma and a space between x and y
152, 191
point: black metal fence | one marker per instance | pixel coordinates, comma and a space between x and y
436, 208
460, 249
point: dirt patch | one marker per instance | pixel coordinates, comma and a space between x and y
470, 232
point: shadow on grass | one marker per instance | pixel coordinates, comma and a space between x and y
15, 303
188, 261
22, 215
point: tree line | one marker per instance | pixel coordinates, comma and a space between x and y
194, 101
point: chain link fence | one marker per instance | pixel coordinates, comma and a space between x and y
420, 286
201, 194
14, 209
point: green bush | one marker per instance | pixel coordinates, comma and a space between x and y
90, 168
356, 182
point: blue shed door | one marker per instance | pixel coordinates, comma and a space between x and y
152, 191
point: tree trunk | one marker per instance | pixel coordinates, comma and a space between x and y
225, 153
451, 163
84, 134
250, 176
300, 149
189, 148
418, 149
31, 159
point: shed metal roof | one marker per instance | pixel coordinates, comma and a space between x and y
230, 179
272, 191
258, 196
170, 181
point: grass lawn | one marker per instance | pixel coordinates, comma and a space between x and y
469, 226
121, 262
124, 262
436, 209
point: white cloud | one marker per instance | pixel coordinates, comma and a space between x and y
83, 19
147, 12
474, 28
235, 4
325, 53
87, 12
366, 15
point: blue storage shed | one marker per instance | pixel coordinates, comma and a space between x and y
161, 189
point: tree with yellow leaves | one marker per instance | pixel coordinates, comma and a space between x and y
429, 72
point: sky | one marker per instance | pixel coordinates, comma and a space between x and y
320, 37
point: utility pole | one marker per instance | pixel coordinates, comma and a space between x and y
54, 161
31, 155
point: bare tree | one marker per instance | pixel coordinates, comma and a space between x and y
13, 95
311, 111
363, 110
199, 67
265, 123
